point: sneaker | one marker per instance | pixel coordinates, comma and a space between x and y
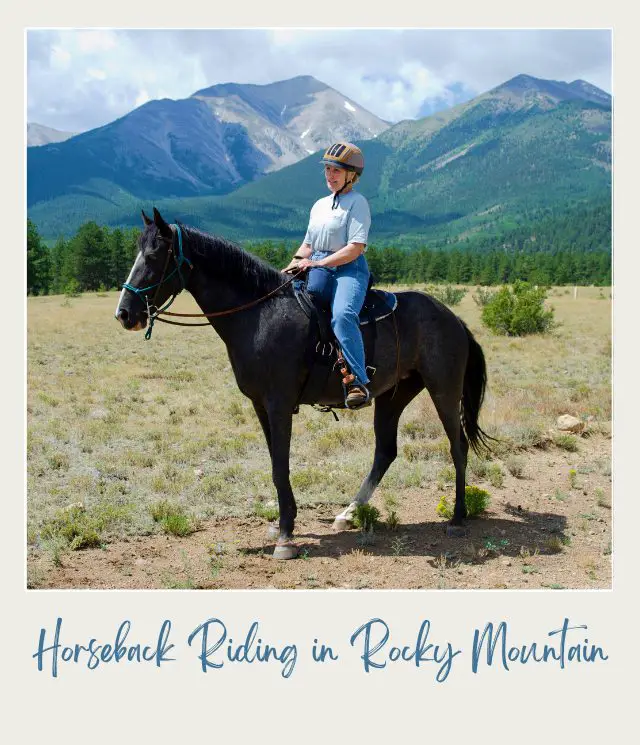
357, 397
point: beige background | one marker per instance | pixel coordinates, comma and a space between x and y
334, 702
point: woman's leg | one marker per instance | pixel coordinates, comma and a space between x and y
320, 285
350, 288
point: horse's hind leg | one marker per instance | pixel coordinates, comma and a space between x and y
448, 408
388, 408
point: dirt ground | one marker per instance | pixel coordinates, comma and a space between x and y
550, 528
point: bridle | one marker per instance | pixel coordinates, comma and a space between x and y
154, 313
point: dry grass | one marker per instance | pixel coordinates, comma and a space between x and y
114, 420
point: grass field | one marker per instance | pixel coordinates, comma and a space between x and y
135, 441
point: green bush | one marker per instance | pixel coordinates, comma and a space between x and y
447, 294
518, 310
495, 475
172, 518
72, 288
366, 517
476, 499
483, 296
75, 527
268, 511
566, 442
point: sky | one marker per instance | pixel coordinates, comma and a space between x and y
81, 79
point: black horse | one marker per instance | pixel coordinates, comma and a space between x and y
424, 346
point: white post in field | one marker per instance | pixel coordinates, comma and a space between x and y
575, 292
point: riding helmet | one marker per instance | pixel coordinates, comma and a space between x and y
344, 155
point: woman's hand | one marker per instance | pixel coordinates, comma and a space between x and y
305, 264
302, 254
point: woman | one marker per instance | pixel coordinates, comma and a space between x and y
333, 252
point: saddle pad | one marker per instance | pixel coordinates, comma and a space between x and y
378, 304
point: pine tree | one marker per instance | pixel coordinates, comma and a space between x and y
119, 261
91, 255
39, 274
62, 267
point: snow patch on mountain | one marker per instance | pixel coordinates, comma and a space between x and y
348, 106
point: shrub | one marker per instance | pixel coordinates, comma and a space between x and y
447, 474
172, 518
392, 520
518, 310
565, 442
366, 517
495, 475
483, 296
75, 527
177, 523
515, 466
72, 288
447, 294
424, 450
267, 511
476, 499
413, 429
478, 467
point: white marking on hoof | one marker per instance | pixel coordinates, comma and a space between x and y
340, 524
273, 531
457, 531
344, 520
285, 551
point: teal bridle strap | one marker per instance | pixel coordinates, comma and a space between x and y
180, 261
141, 292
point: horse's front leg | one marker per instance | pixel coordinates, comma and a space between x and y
280, 423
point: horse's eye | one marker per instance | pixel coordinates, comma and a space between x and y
152, 257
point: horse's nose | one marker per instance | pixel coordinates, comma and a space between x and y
122, 315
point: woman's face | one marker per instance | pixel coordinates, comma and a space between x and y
335, 177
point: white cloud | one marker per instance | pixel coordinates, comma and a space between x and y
60, 59
96, 41
96, 74
91, 77
142, 97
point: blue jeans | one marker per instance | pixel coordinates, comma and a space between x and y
342, 289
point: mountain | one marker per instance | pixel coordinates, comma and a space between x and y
522, 150
525, 148
292, 118
38, 134
210, 143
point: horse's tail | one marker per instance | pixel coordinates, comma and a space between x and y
473, 390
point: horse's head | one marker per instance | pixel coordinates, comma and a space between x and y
158, 273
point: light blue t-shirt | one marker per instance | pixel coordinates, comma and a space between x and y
332, 229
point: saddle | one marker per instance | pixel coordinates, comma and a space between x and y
322, 345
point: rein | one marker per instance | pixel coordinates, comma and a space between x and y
230, 310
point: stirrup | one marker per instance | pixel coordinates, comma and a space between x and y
359, 402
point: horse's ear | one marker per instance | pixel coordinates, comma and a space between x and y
162, 225
145, 219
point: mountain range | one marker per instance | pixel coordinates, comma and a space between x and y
210, 143
242, 160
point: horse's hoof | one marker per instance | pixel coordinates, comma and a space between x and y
457, 531
340, 524
273, 531
285, 551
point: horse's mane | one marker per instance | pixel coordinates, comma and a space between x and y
227, 259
